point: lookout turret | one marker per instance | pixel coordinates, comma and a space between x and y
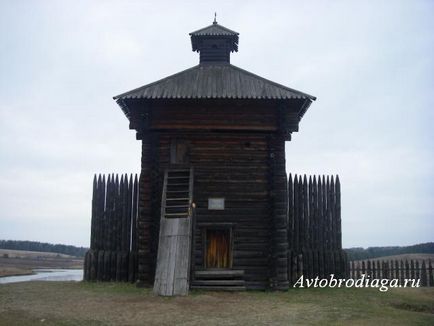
214, 43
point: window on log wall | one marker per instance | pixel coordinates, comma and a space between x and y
179, 151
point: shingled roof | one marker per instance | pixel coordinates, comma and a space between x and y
214, 81
213, 31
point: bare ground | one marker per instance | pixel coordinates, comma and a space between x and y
69, 303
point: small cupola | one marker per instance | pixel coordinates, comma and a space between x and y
214, 43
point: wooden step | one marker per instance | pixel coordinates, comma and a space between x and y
218, 283
219, 288
171, 199
176, 211
219, 274
179, 170
178, 206
172, 215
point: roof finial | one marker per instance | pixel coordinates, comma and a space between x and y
215, 18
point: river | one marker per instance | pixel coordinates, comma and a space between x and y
46, 275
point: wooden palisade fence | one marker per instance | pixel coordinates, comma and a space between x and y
314, 234
314, 228
113, 249
394, 269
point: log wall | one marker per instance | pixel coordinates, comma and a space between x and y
234, 167
278, 201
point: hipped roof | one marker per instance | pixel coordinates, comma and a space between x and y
214, 81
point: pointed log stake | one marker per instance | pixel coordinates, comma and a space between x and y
124, 208
338, 213
97, 213
107, 213
126, 231
135, 213
328, 213
296, 217
121, 216
93, 213
129, 211
306, 235
290, 213
300, 214
103, 210
423, 275
430, 274
96, 229
310, 215
333, 239
324, 213
117, 223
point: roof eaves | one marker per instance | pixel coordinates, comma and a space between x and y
124, 107
304, 108
311, 97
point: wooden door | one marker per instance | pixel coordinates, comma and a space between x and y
218, 249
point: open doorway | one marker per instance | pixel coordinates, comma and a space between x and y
218, 248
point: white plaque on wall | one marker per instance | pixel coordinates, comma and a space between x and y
216, 203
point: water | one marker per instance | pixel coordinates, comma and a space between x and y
46, 275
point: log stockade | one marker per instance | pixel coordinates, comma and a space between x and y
113, 245
311, 244
314, 228
394, 269
313, 237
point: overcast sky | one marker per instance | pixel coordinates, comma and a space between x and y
370, 63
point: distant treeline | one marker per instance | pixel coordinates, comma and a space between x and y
42, 246
374, 252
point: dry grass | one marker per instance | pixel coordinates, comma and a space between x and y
68, 303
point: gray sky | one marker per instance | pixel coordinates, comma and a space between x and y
370, 63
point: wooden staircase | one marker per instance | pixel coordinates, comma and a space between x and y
174, 246
219, 280
178, 193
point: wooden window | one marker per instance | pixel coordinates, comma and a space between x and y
179, 152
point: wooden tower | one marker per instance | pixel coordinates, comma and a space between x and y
213, 190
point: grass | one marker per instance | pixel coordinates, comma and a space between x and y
69, 303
